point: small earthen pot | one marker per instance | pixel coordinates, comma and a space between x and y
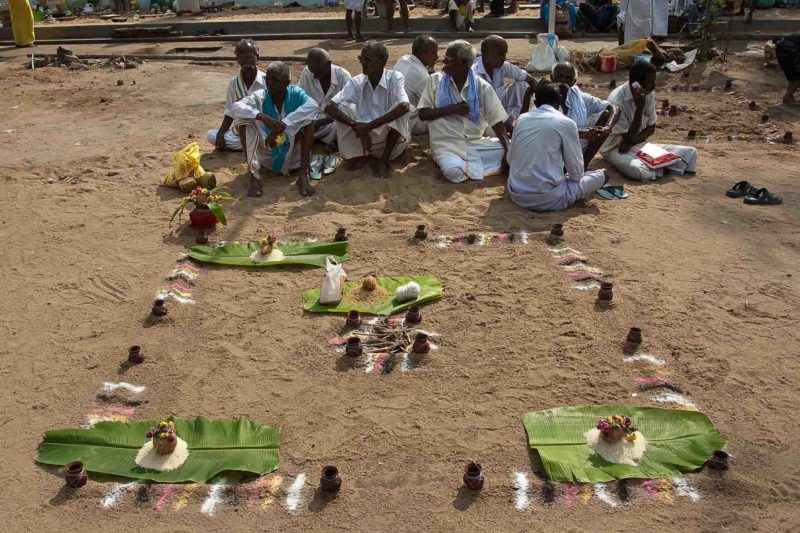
202, 238
788, 137
665, 103
472, 238
353, 347
765, 117
135, 355
635, 336
330, 481
673, 110
606, 292
341, 235
421, 345
615, 435
164, 446
473, 476
74, 475
718, 461
159, 308
421, 234
692, 134
612, 84
557, 230
353, 319
728, 84
413, 316
752, 104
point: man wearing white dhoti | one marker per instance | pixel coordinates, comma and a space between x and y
248, 81
322, 80
637, 123
416, 68
275, 124
493, 67
635, 19
459, 106
378, 125
545, 142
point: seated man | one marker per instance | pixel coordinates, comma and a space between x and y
598, 15
493, 67
459, 106
416, 68
462, 14
593, 116
273, 122
322, 80
545, 142
637, 123
248, 81
378, 125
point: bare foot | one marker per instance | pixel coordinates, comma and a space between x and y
256, 187
383, 170
355, 163
791, 101
304, 186
360, 38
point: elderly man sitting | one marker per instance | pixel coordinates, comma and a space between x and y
637, 123
459, 106
248, 81
593, 116
322, 80
416, 68
545, 142
273, 122
378, 126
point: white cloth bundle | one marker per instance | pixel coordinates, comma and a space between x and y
408, 292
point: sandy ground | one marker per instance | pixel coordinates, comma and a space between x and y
712, 282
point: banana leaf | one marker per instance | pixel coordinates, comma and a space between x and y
678, 442
215, 446
431, 289
295, 253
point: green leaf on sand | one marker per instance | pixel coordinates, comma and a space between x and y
295, 253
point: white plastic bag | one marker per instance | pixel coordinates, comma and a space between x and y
332, 283
544, 53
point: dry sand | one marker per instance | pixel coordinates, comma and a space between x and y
712, 282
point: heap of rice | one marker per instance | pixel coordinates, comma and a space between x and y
360, 296
274, 255
622, 452
148, 458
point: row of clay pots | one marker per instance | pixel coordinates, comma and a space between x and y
413, 316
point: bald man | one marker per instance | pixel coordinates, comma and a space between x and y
322, 80
416, 68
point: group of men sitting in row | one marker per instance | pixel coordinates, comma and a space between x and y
478, 124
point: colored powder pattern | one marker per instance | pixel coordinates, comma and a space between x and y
521, 484
570, 492
586, 494
644, 358
581, 275
683, 488
602, 494
649, 380
674, 398
114, 493
273, 487
481, 239
186, 495
587, 285
111, 387
167, 491
295, 493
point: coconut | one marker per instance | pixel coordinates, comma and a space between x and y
369, 283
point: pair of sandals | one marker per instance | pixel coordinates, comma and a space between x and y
753, 195
323, 165
612, 192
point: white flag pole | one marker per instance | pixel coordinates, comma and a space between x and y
551, 19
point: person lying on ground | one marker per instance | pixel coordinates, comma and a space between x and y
322, 80
637, 123
545, 142
351, 6
787, 51
598, 16
378, 125
248, 81
462, 14
492, 66
276, 125
459, 107
416, 68
626, 53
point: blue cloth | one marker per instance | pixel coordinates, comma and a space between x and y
544, 11
295, 97
447, 95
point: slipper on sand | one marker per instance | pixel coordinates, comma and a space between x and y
317, 163
762, 197
612, 192
743, 188
330, 163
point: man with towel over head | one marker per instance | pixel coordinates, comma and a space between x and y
322, 80
277, 131
459, 107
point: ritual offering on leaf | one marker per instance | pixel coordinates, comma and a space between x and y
368, 293
267, 252
283, 253
165, 451
382, 300
408, 292
616, 440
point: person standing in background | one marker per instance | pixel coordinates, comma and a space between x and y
21, 22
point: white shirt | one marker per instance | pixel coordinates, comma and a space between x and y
451, 133
415, 74
313, 87
238, 90
543, 144
373, 103
498, 77
250, 106
623, 98
581, 107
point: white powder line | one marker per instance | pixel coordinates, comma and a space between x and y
294, 494
523, 236
683, 488
110, 387
604, 496
404, 366
587, 285
113, 494
643, 357
214, 497
482, 239
369, 364
441, 241
581, 267
565, 251
185, 275
165, 295
521, 499
673, 397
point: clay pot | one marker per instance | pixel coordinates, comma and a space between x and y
615, 435
612, 84
692, 134
413, 316
353, 347
164, 446
557, 230
421, 345
665, 103
201, 218
787, 137
765, 117
473, 476
135, 355
202, 238
752, 105
718, 461
673, 110
635, 336
606, 292
330, 481
353, 319
75, 476
159, 308
728, 84
471, 238
341, 235
421, 234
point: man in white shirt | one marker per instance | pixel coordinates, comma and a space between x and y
322, 80
248, 81
637, 123
416, 68
493, 67
378, 125
459, 107
545, 142
274, 121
